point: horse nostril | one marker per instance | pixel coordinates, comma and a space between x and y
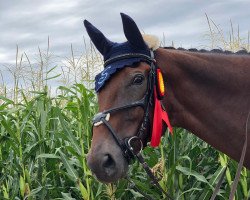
108, 162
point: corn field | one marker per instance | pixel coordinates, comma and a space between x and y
45, 136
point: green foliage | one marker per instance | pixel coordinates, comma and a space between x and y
43, 147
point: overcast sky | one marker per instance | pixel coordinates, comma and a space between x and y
28, 23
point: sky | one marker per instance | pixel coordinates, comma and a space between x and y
28, 23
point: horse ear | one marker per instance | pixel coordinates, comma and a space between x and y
132, 32
100, 41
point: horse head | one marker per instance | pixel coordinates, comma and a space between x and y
125, 90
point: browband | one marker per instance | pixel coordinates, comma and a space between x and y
128, 55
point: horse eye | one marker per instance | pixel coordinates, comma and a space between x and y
138, 79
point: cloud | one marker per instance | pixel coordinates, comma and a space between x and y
28, 23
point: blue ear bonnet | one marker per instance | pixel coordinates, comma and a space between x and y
118, 55
109, 69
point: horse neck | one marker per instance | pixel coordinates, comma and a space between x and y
208, 94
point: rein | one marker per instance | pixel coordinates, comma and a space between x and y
132, 147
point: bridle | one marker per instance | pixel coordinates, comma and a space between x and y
131, 147
145, 103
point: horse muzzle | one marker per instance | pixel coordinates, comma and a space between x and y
108, 166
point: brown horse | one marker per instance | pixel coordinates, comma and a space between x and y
207, 93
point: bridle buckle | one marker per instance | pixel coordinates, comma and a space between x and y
134, 145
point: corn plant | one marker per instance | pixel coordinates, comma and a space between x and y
45, 137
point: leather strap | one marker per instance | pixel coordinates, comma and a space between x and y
240, 165
128, 55
242, 158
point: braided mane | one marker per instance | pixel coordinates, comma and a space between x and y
240, 52
153, 43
